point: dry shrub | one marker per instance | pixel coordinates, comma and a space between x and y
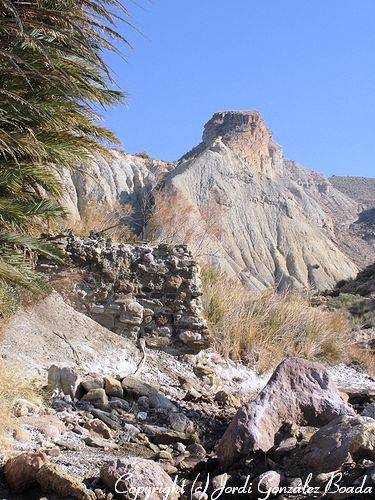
263, 329
113, 221
175, 220
13, 386
9, 301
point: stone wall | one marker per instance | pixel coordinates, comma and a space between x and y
141, 291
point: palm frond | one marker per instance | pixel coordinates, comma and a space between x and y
36, 245
53, 80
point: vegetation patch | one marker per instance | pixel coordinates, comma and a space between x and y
111, 221
13, 386
361, 309
263, 329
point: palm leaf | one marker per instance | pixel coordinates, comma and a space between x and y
53, 80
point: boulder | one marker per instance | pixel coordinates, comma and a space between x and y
130, 431
133, 477
97, 397
369, 410
119, 404
24, 407
53, 479
110, 419
156, 399
143, 403
162, 435
99, 442
21, 435
268, 483
343, 440
180, 423
93, 383
113, 387
97, 426
299, 391
48, 425
20, 472
63, 379
196, 450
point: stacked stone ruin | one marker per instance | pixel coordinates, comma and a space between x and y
141, 291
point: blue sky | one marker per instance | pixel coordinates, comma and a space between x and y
307, 66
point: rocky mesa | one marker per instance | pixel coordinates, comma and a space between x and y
276, 223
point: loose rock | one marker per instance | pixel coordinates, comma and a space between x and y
342, 440
133, 474
268, 482
299, 391
156, 400
97, 397
98, 427
20, 472
63, 379
113, 387
53, 479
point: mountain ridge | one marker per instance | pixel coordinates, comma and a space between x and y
280, 224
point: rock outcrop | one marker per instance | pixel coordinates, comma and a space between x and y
276, 222
124, 178
299, 392
343, 440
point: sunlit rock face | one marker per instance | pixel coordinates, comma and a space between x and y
123, 178
246, 134
278, 221
278, 224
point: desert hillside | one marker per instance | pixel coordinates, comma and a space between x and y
360, 189
241, 206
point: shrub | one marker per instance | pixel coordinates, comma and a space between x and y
361, 309
263, 329
13, 386
144, 155
113, 221
173, 219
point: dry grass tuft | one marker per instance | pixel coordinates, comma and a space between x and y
263, 329
13, 386
113, 221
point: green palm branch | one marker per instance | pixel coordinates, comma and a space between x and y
53, 79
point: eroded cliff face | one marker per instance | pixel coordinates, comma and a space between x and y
125, 179
276, 222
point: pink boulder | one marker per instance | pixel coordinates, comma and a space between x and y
299, 392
